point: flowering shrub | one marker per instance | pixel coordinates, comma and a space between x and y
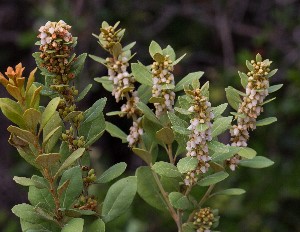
178, 141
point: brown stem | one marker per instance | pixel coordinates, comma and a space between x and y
170, 153
201, 202
172, 211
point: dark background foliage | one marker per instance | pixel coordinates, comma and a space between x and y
217, 36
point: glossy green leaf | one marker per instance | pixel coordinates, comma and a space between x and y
166, 169
187, 164
98, 59
185, 81
256, 162
78, 64
12, 111
112, 173
119, 198
213, 179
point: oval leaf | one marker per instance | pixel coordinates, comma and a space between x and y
112, 173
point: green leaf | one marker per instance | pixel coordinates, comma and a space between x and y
201, 127
96, 226
51, 136
84, 92
182, 111
147, 112
156, 100
24, 135
181, 130
220, 156
24, 181
179, 59
113, 113
187, 164
205, 89
165, 135
143, 154
220, 125
32, 117
48, 160
166, 169
27, 213
244, 79
148, 190
179, 201
176, 121
75, 213
258, 57
267, 101
247, 152
77, 66
188, 80
188, 227
106, 83
219, 110
41, 198
233, 97
112, 173
230, 192
167, 86
154, 48
218, 147
56, 132
49, 111
98, 59
170, 52
70, 160
274, 88
93, 125
213, 179
115, 131
266, 121
256, 162
144, 93
12, 111
141, 74
75, 224
128, 47
117, 49
73, 189
272, 73
119, 198
249, 66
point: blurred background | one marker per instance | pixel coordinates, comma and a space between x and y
218, 36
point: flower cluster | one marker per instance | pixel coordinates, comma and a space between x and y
200, 128
118, 74
162, 77
129, 108
135, 134
250, 108
204, 220
109, 36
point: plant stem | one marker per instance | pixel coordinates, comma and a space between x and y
170, 153
201, 202
172, 211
